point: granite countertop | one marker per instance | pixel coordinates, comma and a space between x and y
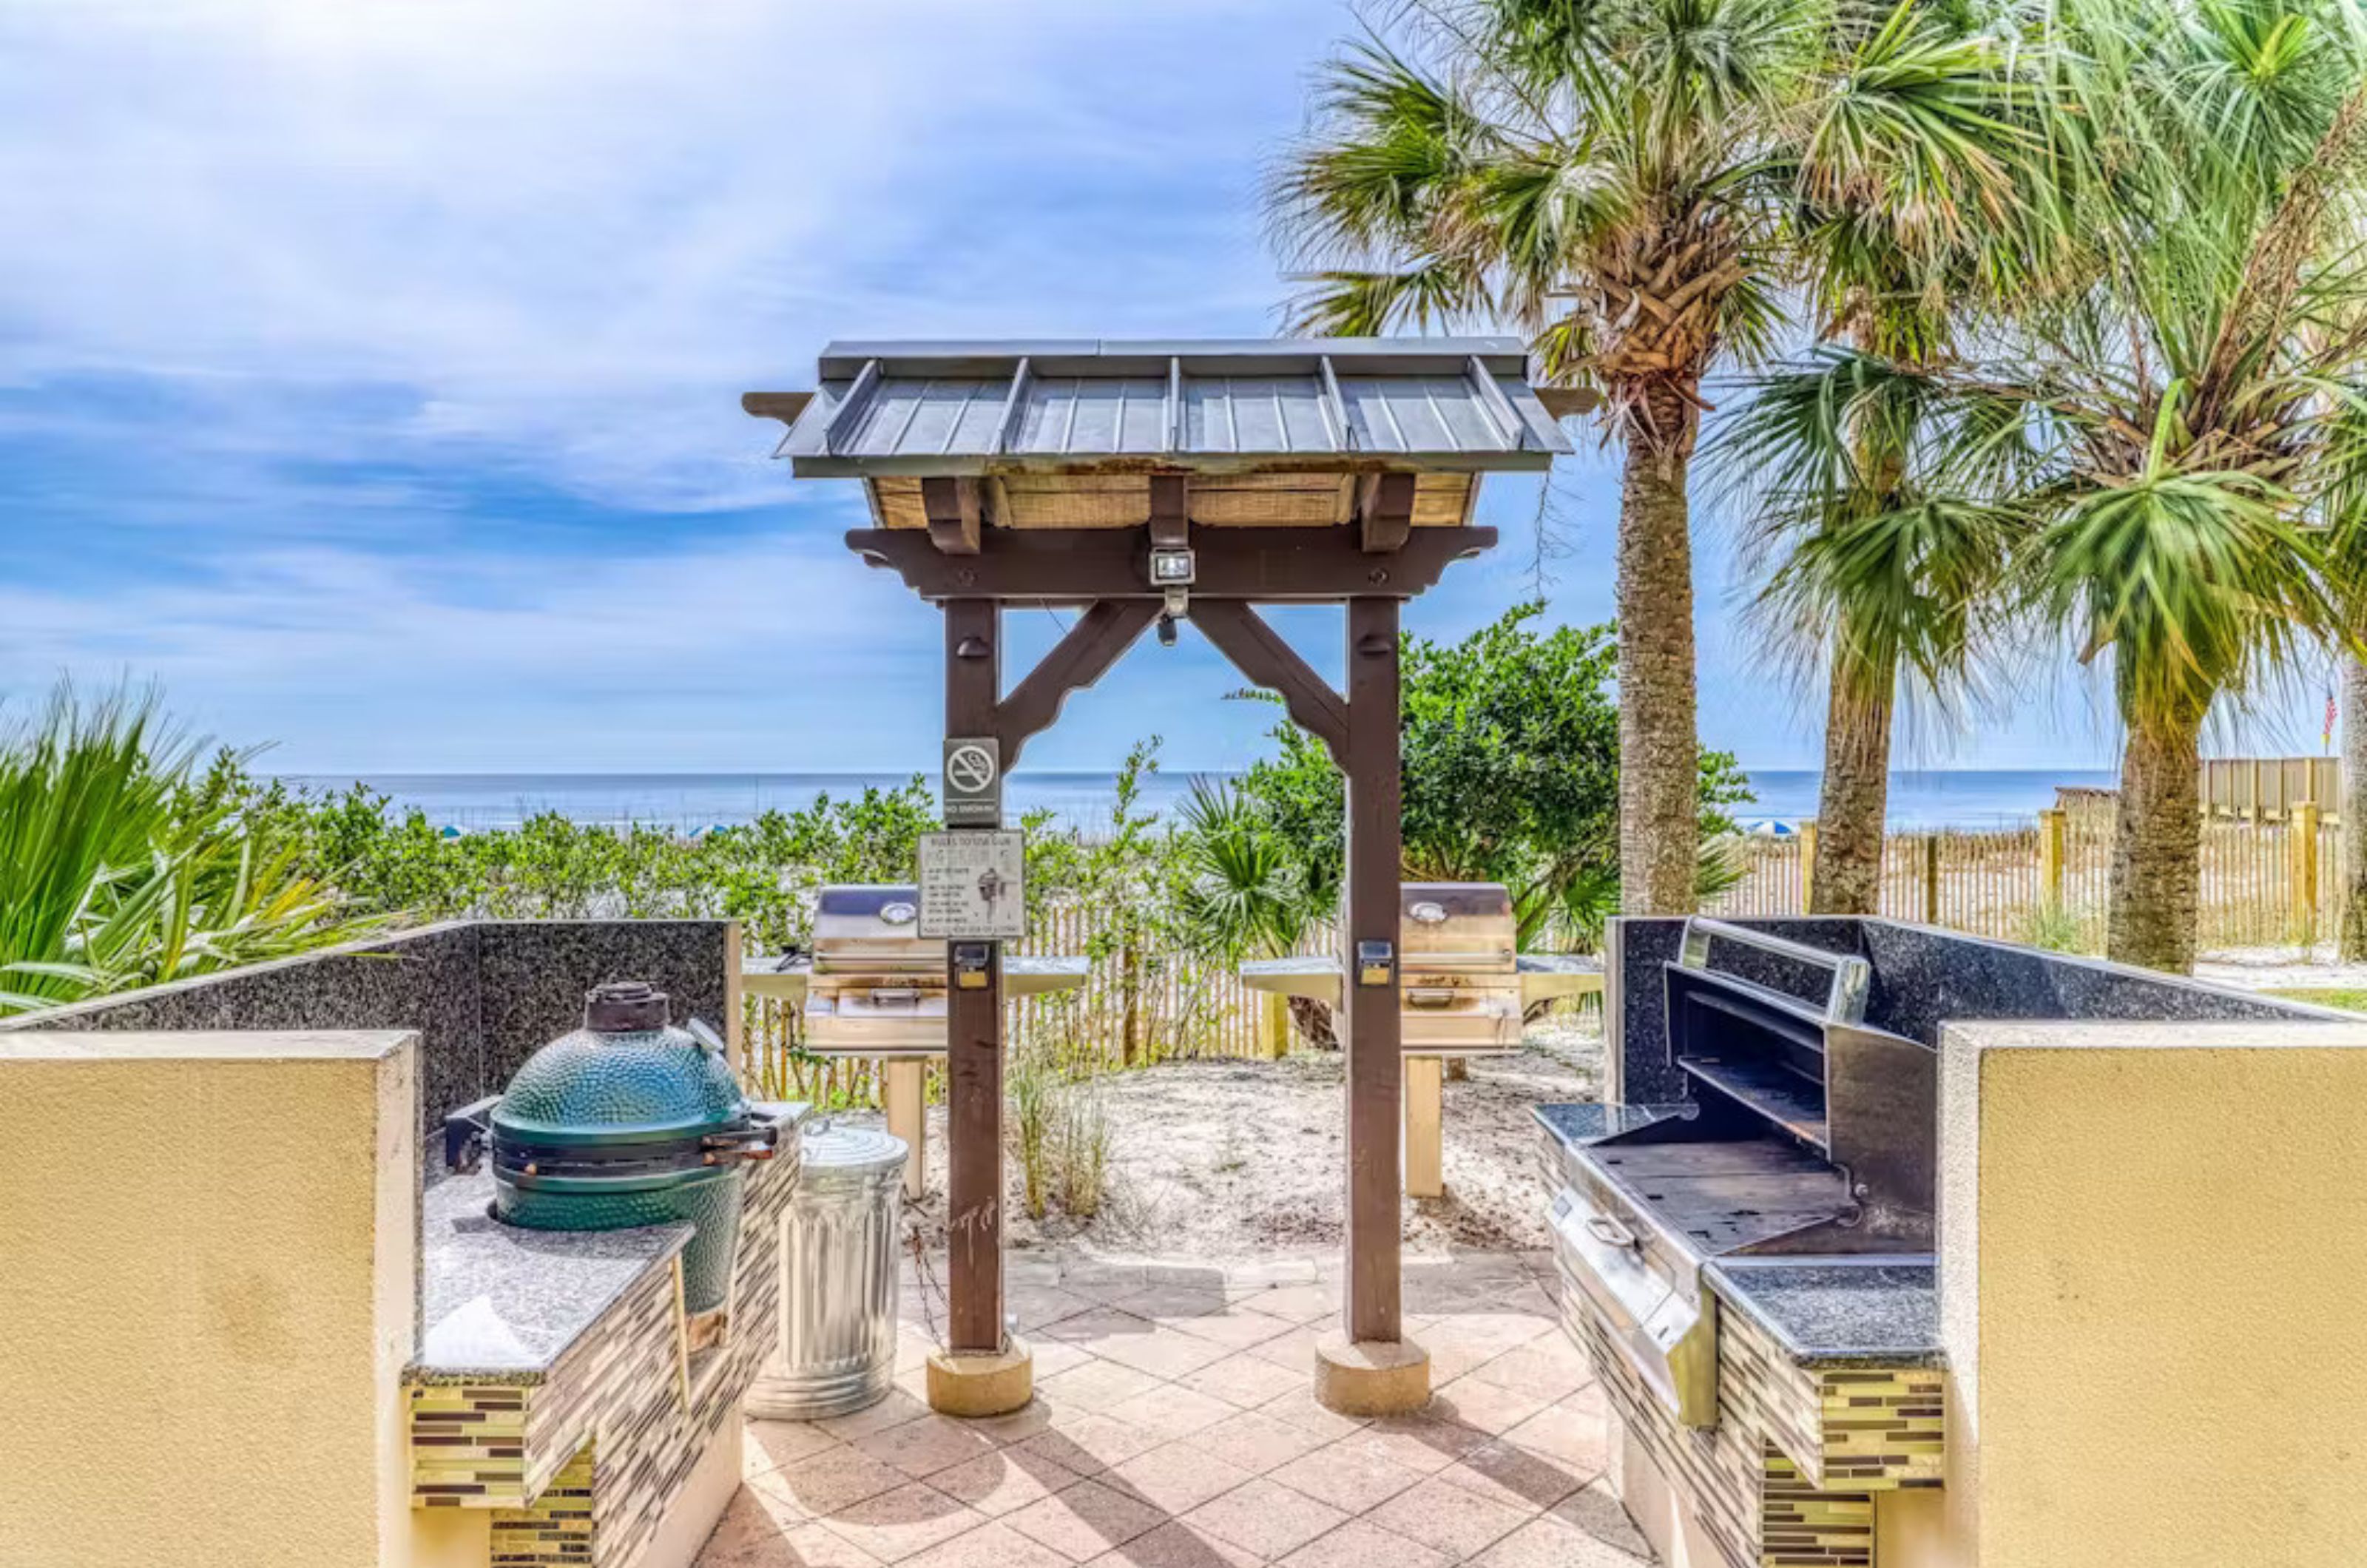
1580, 1124
502, 1303
1834, 1313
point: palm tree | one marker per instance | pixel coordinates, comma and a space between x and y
2179, 415
1619, 180
1877, 561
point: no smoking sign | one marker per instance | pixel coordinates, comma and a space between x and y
971, 785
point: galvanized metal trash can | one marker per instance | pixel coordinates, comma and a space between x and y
839, 1241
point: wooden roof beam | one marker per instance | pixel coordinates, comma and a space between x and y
1078, 566
954, 512
1384, 512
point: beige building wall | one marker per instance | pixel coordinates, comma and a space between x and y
2153, 1269
209, 1289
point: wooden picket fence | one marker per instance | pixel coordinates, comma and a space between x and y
2265, 884
1142, 1002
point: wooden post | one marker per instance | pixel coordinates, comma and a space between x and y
1425, 1111
1376, 1067
1807, 866
1273, 1023
904, 1096
974, 1035
2303, 817
1932, 877
2050, 856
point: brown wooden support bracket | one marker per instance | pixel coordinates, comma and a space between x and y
1258, 651
1098, 640
955, 514
1078, 565
1384, 512
1170, 519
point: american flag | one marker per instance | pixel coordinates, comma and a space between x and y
2329, 718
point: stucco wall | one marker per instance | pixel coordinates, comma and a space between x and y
2153, 1245
208, 1293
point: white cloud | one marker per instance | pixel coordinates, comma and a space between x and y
579, 227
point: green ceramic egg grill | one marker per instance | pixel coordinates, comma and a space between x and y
627, 1121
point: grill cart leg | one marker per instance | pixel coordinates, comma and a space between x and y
1425, 1112
905, 1091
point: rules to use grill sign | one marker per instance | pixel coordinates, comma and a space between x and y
973, 886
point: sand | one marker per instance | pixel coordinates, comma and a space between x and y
1229, 1159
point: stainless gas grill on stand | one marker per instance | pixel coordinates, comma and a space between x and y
874, 986
1464, 990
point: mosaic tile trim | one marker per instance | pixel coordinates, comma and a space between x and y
555, 1530
617, 1405
1883, 1429
1758, 1507
1717, 1470
1803, 1526
469, 1446
1873, 1428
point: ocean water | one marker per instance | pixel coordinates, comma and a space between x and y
1930, 798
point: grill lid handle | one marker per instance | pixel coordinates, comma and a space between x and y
1610, 1232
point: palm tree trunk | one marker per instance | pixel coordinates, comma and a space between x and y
1659, 764
1855, 796
2156, 848
2353, 807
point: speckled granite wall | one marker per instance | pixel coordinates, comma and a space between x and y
1922, 978
534, 974
483, 994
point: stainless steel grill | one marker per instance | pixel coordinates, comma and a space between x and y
876, 988
1806, 1133
1460, 988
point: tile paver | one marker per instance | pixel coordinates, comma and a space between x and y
1242, 1380
1174, 1426
1173, 1411
1550, 1542
991, 1546
823, 1483
921, 1447
1256, 1441
1360, 1543
1515, 1475
899, 1524
1266, 1517
1004, 1480
1449, 1519
1177, 1545
1178, 1477
1086, 1520
1351, 1479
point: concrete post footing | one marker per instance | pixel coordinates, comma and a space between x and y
981, 1383
1371, 1377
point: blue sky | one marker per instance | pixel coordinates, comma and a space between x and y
369, 372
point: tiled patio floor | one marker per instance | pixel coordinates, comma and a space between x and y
1173, 1428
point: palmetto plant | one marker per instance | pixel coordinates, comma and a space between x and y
1243, 891
2170, 436
120, 870
1632, 183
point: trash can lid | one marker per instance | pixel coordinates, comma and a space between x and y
835, 1150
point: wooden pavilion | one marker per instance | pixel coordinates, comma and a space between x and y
1154, 482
